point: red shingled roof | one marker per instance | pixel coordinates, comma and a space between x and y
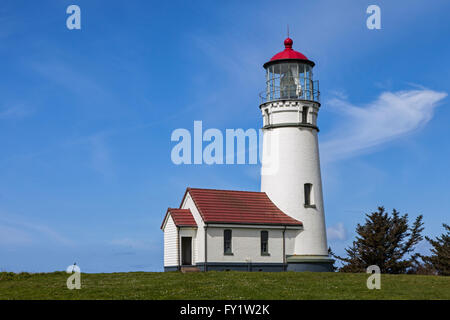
242, 207
288, 52
181, 217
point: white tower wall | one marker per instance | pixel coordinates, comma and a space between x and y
291, 160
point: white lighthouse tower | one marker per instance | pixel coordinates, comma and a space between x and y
290, 173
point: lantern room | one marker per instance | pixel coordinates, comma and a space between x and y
289, 76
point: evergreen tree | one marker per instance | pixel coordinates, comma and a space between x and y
418, 267
439, 261
331, 254
384, 240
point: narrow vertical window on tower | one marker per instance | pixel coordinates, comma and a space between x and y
305, 115
266, 117
264, 243
308, 195
227, 241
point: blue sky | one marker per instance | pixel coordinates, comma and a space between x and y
86, 117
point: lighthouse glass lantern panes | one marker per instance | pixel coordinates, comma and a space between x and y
289, 80
288, 83
227, 241
264, 242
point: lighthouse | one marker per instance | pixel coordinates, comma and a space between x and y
282, 226
290, 173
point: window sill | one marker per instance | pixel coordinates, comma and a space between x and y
228, 254
265, 254
310, 206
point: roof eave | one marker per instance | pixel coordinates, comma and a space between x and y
165, 219
271, 62
300, 226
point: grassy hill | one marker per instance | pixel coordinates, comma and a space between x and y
221, 285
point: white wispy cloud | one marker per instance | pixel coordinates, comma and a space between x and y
392, 115
14, 112
14, 236
96, 150
71, 79
132, 243
19, 230
101, 159
337, 232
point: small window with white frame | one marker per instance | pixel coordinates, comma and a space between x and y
227, 250
305, 111
264, 243
309, 195
266, 117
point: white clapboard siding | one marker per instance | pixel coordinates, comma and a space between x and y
199, 241
170, 243
245, 245
190, 232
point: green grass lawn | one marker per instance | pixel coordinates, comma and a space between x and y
221, 285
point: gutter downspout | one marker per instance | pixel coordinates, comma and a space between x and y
284, 249
178, 248
206, 248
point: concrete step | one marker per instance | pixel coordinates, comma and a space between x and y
185, 269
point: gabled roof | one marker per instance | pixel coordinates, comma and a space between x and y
238, 207
181, 217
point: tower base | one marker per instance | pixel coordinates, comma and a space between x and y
310, 263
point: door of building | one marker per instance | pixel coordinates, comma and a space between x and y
186, 251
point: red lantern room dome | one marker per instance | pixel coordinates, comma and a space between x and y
288, 54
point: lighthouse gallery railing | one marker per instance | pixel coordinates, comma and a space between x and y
310, 92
